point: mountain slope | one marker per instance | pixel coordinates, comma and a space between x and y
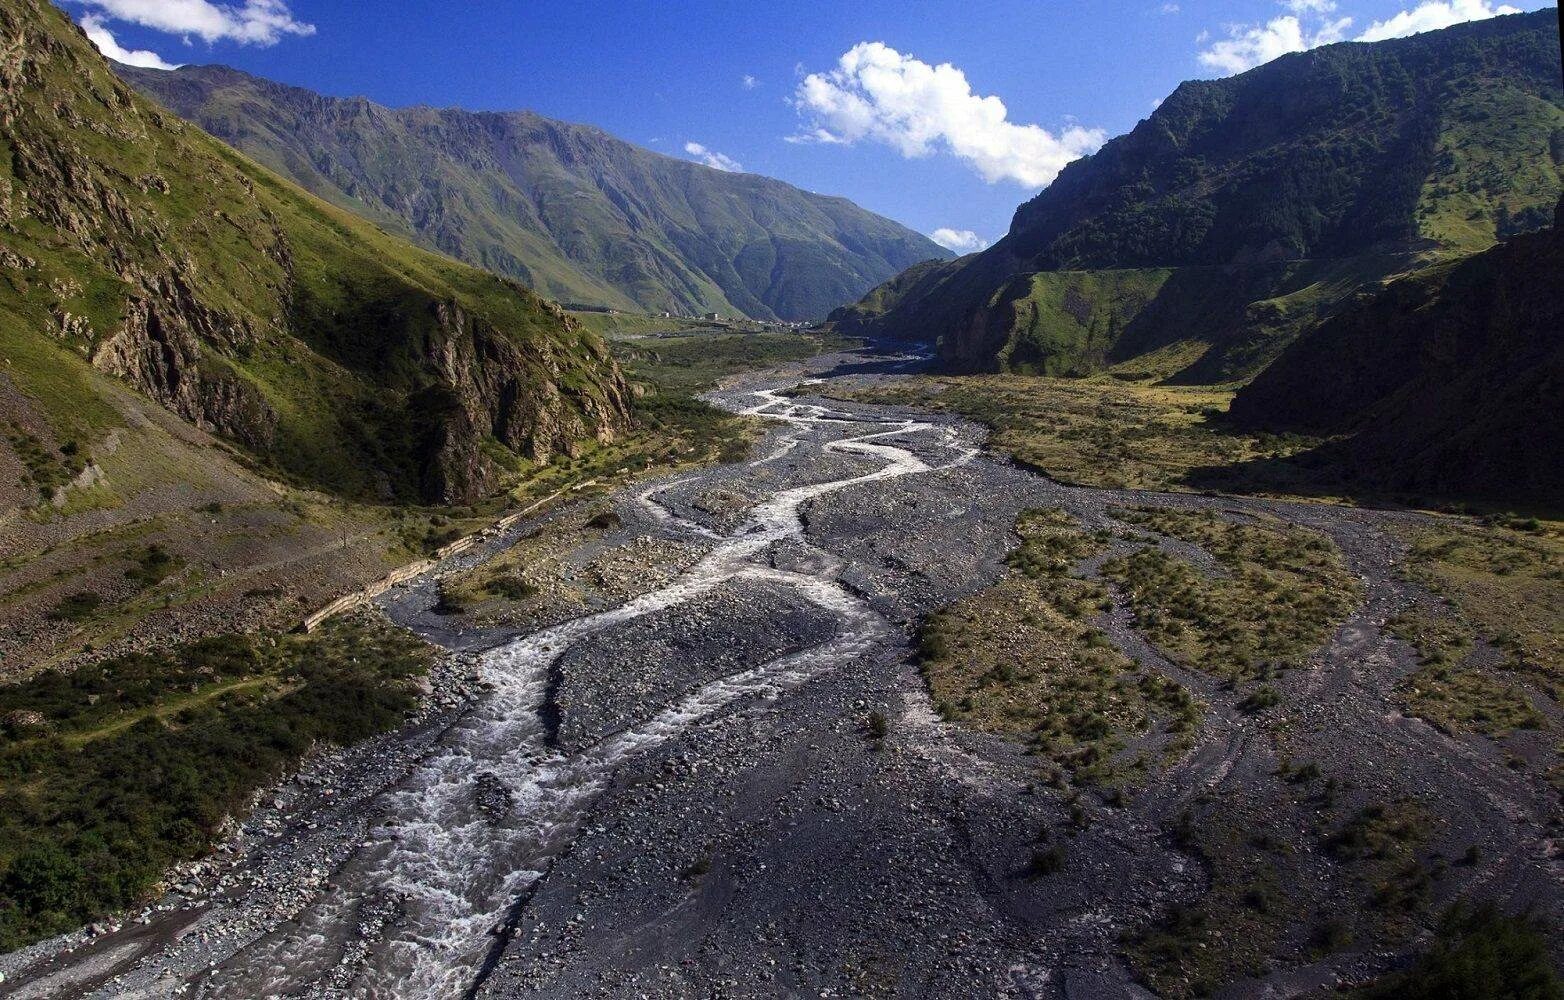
1245, 209
1450, 381
332, 353
572, 211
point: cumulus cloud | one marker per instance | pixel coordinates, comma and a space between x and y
1431, 16
749, 82
104, 40
1310, 23
917, 109
712, 158
959, 240
1248, 46
252, 22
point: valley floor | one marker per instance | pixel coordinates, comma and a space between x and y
691, 754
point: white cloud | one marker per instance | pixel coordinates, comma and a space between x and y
1248, 46
1311, 23
959, 240
749, 82
878, 93
1431, 16
712, 158
104, 40
1170, 8
252, 22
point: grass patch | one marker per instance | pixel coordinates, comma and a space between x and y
1232, 929
1022, 660
697, 363
47, 469
1383, 844
1504, 585
1453, 695
117, 771
151, 565
1284, 591
1100, 431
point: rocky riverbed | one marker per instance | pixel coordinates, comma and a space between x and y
732, 783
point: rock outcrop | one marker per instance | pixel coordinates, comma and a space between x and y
338, 355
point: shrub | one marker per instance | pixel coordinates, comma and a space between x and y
76, 607
1480, 954
1047, 861
879, 726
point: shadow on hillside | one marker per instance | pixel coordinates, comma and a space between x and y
1326, 472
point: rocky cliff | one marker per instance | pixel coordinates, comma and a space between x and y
333, 353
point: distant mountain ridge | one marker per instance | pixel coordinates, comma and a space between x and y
577, 214
1245, 210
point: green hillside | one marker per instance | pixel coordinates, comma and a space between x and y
333, 354
1255, 205
577, 214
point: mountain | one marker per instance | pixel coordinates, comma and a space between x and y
1447, 382
330, 353
1244, 210
577, 214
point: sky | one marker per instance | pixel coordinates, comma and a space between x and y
941, 114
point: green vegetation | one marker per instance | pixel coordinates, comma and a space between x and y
1021, 659
578, 215
47, 469
615, 324
675, 369
1499, 635
1094, 432
697, 363
151, 565
1505, 587
1280, 592
1382, 844
1231, 930
1067, 322
1452, 694
338, 356
113, 773
76, 607
1480, 954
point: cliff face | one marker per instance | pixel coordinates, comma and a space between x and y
1271, 197
574, 212
334, 353
1448, 382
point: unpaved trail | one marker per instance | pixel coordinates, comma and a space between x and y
679, 796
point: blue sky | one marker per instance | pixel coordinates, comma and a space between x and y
794, 90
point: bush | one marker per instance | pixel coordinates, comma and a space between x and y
76, 607
1047, 861
879, 727
507, 586
1480, 954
